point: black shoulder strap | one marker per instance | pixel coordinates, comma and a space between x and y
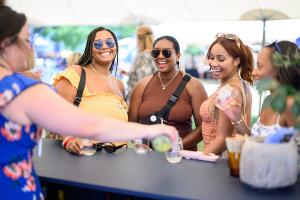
165, 111
80, 89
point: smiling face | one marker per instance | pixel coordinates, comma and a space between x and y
162, 63
264, 65
105, 54
222, 64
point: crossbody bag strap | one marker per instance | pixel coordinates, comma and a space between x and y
80, 89
165, 111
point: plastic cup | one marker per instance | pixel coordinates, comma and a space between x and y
174, 156
234, 147
88, 149
225, 95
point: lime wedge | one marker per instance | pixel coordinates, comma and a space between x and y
161, 143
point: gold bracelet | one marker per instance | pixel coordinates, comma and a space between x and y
237, 122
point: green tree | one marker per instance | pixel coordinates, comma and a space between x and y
193, 49
74, 36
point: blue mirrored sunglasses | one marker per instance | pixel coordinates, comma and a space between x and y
110, 43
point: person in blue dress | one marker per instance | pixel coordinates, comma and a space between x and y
26, 104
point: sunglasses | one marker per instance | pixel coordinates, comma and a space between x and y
109, 147
110, 43
229, 36
277, 47
165, 52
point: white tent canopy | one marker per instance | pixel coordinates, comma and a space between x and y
115, 12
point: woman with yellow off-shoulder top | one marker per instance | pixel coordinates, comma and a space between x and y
103, 93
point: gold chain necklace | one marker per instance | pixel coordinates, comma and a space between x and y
102, 76
164, 86
229, 81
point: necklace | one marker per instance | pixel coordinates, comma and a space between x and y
229, 81
232, 78
164, 86
102, 76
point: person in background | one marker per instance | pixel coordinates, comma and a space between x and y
231, 62
152, 93
103, 93
26, 103
269, 120
73, 58
143, 64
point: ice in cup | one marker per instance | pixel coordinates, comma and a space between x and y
225, 95
234, 147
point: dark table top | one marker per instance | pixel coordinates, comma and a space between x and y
148, 175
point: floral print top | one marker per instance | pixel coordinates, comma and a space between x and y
259, 129
142, 66
18, 179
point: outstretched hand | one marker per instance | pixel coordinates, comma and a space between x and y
160, 129
75, 145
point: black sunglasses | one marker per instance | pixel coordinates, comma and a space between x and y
165, 52
109, 147
110, 43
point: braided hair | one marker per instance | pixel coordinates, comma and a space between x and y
87, 58
287, 75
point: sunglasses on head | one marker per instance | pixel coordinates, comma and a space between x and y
110, 43
109, 147
229, 36
277, 47
165, 52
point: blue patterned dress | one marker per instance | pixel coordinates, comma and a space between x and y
18, 179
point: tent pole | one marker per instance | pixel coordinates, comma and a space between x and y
264, 32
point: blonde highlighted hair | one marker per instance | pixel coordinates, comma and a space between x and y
73, 58
145, 36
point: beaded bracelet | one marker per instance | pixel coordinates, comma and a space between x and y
237, 122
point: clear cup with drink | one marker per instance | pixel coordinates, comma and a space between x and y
89, 147
234, 147
140, 146
225, 95
173, 155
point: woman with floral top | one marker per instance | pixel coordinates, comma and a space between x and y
26, 103
231, 62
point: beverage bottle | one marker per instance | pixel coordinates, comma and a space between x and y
161, 143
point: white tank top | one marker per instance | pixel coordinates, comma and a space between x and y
260, 129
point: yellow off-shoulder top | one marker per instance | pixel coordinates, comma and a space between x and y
108, 104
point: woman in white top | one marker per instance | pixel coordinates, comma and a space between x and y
270, 121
